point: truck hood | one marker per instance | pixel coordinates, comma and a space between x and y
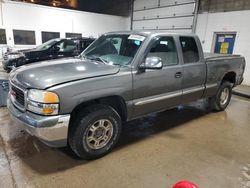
46, 74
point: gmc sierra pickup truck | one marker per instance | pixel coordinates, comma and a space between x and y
83, 101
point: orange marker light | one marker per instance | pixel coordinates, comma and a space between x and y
47, 110
49, 97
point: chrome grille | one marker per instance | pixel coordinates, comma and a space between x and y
19, 95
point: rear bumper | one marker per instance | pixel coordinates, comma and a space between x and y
52, 130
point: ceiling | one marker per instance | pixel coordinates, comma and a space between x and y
113, 7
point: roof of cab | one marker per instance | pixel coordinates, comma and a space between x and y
150, 33
73, 38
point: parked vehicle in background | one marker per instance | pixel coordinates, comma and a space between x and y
119, 77
5, 49
52, 49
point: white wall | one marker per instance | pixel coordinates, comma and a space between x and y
25, 16
236, 21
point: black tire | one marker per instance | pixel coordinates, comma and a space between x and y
8, 70
80, 127
215, 102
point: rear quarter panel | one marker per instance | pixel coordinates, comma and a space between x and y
218, 68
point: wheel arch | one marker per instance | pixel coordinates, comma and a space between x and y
115, 101
230, 77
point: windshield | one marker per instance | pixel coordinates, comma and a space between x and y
114, 49
47, 44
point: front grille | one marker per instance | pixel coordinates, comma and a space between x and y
19, 95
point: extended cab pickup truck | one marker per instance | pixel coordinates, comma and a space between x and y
82, 102
52, 49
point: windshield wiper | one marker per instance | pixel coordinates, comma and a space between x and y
96, 58
100, 59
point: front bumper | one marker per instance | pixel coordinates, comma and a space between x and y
5, 64
9, 64
52, 130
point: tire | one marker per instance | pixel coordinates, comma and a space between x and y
220, 101
94, 132
8, 70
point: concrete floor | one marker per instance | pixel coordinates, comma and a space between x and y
210, 149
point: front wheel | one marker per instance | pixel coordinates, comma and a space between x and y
220, 101
95, 132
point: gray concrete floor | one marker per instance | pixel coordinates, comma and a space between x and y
191, 143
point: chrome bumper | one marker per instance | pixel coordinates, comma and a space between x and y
52, 130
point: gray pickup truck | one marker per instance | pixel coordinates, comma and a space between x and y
82, 102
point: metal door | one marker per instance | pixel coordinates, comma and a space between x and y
155, 90
168, 15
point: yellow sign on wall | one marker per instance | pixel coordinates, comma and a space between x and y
224, 47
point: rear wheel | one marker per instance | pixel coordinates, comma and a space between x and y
95, 132
220, 101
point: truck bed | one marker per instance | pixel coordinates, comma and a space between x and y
214, 56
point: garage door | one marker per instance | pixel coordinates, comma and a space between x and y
171, 15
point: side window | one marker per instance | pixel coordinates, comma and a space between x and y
189, 50
67, 46
165, 49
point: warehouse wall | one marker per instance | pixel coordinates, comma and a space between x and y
25, 16
234, 21
223, 5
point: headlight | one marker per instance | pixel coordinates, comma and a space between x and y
43, 102
15, 56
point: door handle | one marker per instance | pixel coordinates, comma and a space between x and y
178, 75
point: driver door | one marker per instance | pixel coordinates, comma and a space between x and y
156, 90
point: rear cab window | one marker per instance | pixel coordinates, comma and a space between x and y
189, 50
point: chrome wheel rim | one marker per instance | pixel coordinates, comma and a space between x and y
99, 134
224, 96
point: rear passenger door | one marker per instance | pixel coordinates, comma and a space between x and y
155, 90
194, 69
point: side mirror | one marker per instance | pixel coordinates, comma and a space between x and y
152, 63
